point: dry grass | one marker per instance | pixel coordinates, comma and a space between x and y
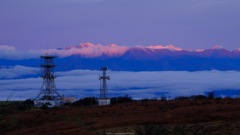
223, 115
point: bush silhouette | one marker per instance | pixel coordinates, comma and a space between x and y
86, 101
120, 99
211, 95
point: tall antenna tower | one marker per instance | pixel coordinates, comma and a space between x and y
103, 85
47, 73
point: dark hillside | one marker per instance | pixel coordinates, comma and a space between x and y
223, 114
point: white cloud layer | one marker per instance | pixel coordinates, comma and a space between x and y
82, 83
6, 47
19, 55
90, 52
9, 52
17, 71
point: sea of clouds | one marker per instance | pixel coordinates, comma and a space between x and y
84, 83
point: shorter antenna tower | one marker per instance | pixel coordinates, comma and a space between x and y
103, 85
47, 73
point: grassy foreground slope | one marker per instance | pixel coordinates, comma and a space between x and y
221, 116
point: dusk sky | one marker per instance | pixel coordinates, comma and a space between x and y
199, 24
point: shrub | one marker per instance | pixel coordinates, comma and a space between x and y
22, 107
6, 108
67, 104
200, 97
120, 99
85, 101
191, 97
211, 95
163, 98
145, 100
29, 102
182, 98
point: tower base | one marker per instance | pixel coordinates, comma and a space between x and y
39, 103
103, 101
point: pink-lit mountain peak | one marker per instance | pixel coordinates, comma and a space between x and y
238, 49
170, 47
216, 47
87, 45
143, 48
173, 48
112, 45
83, 45
153, 48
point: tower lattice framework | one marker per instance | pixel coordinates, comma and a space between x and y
47, 73
103, 84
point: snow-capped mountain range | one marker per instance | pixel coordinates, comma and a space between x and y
148, 52
139, 58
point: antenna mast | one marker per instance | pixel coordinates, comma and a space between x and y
47, 73
103, 86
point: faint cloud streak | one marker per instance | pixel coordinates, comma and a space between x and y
17, 71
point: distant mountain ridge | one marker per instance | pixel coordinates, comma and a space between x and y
158, 52
151, 58
156, 58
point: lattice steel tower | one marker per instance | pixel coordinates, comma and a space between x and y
47, 73
103, 85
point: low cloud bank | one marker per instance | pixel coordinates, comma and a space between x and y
6, 47
82, 83
90, 52
9, 52
17, 71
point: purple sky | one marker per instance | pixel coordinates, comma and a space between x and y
200, 24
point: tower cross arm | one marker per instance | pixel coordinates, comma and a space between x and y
104, 77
